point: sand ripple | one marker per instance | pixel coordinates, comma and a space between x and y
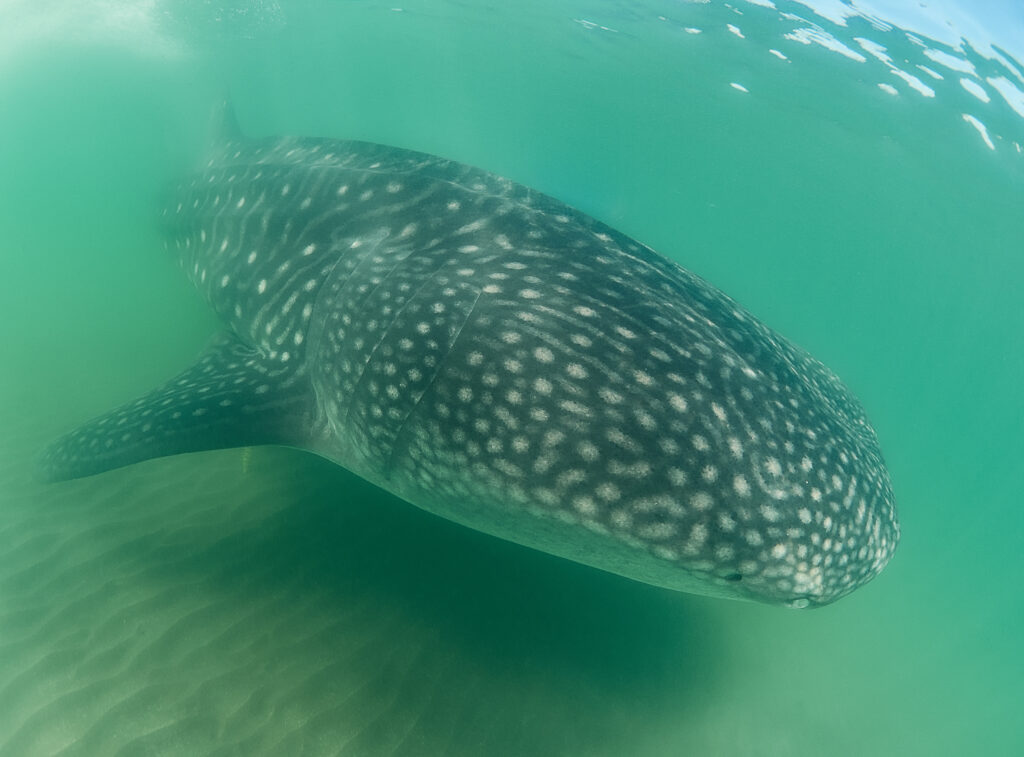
209, 605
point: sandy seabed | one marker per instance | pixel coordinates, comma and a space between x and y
265, 601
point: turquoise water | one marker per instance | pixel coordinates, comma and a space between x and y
266, 602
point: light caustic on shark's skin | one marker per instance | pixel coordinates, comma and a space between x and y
500, 359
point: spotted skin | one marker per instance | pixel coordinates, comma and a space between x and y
500, 359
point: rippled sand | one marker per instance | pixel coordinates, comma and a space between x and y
267, 602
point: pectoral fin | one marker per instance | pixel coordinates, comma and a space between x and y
231, 397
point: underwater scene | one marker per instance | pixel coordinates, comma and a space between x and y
442, 378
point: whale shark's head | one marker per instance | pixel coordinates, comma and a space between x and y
779, 492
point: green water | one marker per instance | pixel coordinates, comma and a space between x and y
269, 603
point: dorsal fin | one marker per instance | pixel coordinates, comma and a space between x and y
224, 122
231, 397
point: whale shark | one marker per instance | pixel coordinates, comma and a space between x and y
498, 358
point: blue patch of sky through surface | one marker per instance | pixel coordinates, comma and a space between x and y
978, 44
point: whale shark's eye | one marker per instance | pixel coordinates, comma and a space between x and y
734, 577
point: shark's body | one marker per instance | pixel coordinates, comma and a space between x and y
500, 359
